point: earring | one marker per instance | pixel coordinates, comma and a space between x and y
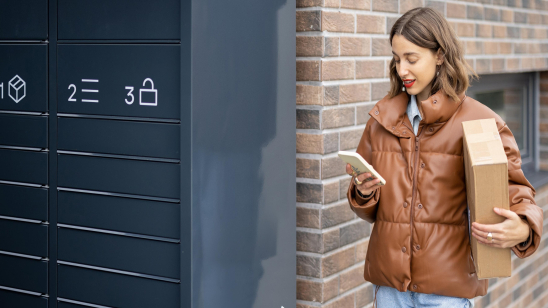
403, 88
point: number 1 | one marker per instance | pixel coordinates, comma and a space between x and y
2, 93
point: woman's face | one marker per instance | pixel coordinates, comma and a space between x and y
416, 66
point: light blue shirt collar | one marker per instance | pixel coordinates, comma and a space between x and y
412, 112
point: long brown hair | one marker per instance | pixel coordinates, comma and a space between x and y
427, 28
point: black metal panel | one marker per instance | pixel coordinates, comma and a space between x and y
115, 290
24, 20
23, 273
23, 77
28, 131
69, 305
110, 70
119, 19
120, 214
24, 202
24, 166
119, 175
11, 299
119, 252
119, 137
24, 237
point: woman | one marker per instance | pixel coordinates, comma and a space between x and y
419, 251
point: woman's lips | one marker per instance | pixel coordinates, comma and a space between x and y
407, 85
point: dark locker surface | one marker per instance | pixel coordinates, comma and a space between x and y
109, 69
119, 19
24, 237
119, 175
115, 290
24, 202
146, 217
125, 253
22, 273
24, 131
24, 20
70, 305
10, 299
29, 62
24, 166
119, 137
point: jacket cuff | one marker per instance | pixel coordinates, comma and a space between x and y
532, 214
365, 208
524, 245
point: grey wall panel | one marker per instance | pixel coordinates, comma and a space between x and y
28, 131
11, 299
243, 148
23, 273
24, 202
24, 20
119, 252
119, 19
119, 175
109, 69
23, 77
119, 137
115, 290
120, 214
24, 166
24, 237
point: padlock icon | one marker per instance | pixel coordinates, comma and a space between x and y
150, 100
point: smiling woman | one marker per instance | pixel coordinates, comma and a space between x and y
419, 253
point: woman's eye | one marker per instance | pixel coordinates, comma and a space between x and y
412, 62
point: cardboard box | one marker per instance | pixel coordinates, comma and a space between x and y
486, 168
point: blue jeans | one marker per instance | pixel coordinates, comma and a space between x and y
388, 297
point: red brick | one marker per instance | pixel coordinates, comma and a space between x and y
369, 69
456, 10
385, 5
406, 5
331, 46
356, 4
352, 93
465, 29
309, 95
337, 70
309, 46
355, 46
337, 22
308, 21
308, 70
371, 24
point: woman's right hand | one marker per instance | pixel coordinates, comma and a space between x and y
368, 186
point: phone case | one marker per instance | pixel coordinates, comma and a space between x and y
359, 165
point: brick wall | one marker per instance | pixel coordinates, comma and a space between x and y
342, 71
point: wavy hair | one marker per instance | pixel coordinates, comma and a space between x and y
427, 28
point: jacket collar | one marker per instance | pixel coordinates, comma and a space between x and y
391, 112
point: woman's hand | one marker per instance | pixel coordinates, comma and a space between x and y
506, 234
368, 182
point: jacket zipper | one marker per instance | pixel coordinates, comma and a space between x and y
417, 138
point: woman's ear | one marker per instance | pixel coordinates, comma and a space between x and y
439, 56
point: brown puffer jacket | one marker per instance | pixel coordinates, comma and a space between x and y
420, 239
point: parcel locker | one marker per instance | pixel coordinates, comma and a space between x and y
146, 154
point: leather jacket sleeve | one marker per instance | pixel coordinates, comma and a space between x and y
522, 196
365, 208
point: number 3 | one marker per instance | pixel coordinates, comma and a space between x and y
129, 94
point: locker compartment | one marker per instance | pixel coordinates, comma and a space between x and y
115, 290
24, 237
27, 131
128, 80
119, 19
119, 252
119, 175
22, 273
24, 166
24, 20
13, 299
120, 214
23, 76
70, 305
24, 202
119, 137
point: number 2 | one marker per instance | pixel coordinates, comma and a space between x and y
129, 94
70, 98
